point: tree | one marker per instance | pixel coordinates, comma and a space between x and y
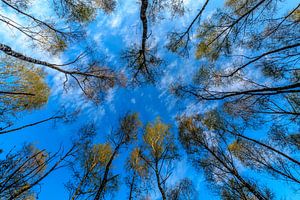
158, 153
271, 51
184, 190
93, 176
24, 170
257, 158
22, 79
209, 153
92, 79
22, 88
256, 88
83, 11
142, 59
179, 41
256, 154
138, 173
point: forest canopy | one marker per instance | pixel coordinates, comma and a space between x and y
149, 99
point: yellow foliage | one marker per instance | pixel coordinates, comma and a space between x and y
37, 161
155, 135
202, 50
83, 12
18, 78
188, 123
137, 163
102, 153
30, 197
238, 150
208, 48
296, 15
234, 147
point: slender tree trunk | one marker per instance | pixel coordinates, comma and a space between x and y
143, 16
8, 51
105, 177
131, 187
54, 167
159, 184
266, 146
82, 181
30, 125
16, 93
235, 173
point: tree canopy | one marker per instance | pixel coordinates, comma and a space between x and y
150, 99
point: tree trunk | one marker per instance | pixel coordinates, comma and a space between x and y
105, 177
159, 184
235, 173
131, 187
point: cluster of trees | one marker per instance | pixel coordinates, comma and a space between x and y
248, 57
250, 54
94, 166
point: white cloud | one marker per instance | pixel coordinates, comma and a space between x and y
133, 101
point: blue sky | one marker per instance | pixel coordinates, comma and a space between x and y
111, 33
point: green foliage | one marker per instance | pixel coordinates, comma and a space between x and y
85, 11
237, 148
210, 45
240, 6
209, 51
242, 39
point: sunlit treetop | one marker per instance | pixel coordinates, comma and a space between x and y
28, 81
102, 153
137, 163
155, 136
296, 16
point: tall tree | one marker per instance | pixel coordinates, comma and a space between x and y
209, 151
22, 88
21, 172
179, 41
271, 51
93, 79
183, 190
143, 61
137, 174
93, 175
249, 54
159, 153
